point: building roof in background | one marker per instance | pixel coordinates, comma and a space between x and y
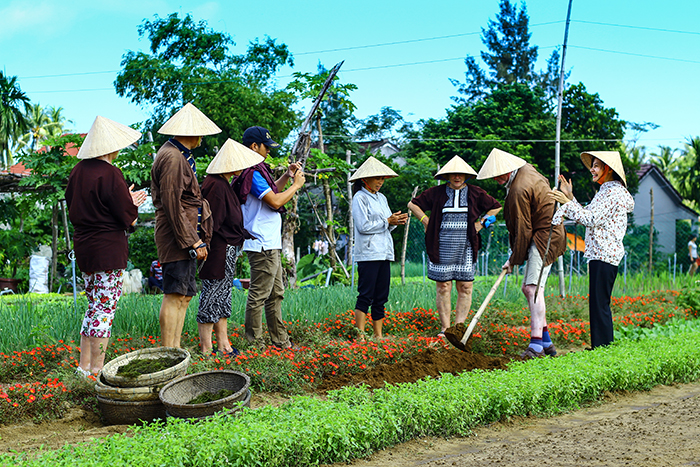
648, 169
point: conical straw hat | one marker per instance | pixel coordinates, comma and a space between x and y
373, 168
610, 158
105, 137
456, 165
189, 121
499, 163
233, 156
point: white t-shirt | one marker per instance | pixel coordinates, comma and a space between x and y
693, 249
260, 220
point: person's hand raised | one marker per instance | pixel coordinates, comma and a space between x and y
398, 219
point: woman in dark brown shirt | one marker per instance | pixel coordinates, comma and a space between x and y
102, 208
457, 212
217, 272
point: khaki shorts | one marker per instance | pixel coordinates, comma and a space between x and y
533, 266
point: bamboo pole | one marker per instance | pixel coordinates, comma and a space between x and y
405, 243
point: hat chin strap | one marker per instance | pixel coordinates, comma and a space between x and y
607, 173
367, 187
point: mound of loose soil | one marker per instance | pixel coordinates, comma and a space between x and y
431, 362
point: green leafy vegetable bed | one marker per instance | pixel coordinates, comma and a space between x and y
354, 422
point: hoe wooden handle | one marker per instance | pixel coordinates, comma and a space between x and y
483, 307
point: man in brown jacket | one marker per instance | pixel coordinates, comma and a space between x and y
528, 214
183, 218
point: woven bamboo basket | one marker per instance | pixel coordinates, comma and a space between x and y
176, 394
243, 404
109, 371
144, 393
130, 413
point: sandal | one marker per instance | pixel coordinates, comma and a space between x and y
232, 353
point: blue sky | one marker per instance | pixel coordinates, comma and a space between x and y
616, 48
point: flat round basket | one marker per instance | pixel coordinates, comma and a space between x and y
176, 394
245, 403
109, 371
130, 413
144, 393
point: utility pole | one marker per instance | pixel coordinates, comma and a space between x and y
557, 144
651, 231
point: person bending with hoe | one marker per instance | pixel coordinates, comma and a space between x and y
528, 212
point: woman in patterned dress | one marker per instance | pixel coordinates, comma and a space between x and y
217, 272
102, 209
458, 211
605, 219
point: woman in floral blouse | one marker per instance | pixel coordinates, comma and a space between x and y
605, 219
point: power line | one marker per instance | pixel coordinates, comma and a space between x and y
358, 47
409, 41
636, 27
482, 140
635, 55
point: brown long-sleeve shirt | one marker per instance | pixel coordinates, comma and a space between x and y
528, 214
177, 199
227, 221
101, 210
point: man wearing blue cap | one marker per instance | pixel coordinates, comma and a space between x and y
262, 203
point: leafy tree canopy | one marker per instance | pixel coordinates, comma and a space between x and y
14, 103
188, 62
509, 57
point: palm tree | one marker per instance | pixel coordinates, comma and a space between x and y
635, 154
688, 173
13, 105
58, 122
665, 160
43, 123
38, 121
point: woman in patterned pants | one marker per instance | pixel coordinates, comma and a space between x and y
217, 272
458, 211
102, 210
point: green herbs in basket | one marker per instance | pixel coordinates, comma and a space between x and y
145, 366
211, 396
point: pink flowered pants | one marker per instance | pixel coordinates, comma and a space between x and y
103, 290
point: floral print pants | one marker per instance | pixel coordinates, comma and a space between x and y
103, 290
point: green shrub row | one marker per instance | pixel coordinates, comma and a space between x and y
354, 422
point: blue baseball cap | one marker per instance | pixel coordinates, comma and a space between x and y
258, 134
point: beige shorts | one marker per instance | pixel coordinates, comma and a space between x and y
533, 266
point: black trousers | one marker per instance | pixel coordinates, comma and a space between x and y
374, 278
601, 281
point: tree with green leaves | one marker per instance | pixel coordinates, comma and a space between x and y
332, 129
509, 57
189, 62
43, 123
14, 105
688, 173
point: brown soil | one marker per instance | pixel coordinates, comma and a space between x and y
431, 362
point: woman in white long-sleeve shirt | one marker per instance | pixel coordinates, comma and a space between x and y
374, 247
605, 219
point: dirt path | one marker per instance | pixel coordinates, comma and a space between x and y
656, 428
